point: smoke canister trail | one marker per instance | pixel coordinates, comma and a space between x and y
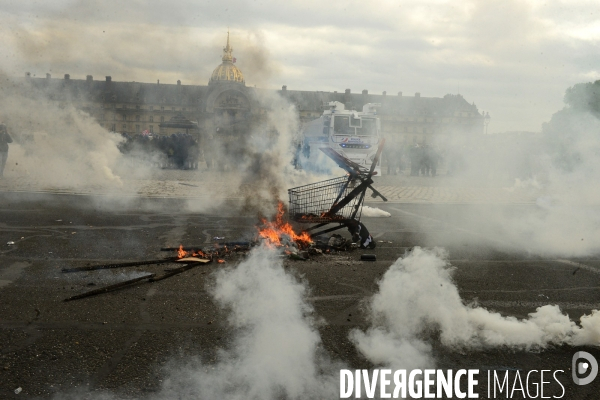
417, 294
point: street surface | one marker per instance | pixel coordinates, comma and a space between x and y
120, 341
203, 184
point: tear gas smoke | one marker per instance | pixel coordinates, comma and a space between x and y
54, 145
557, 167
58, 147
417, 297
374, 212
276, 350
264, 155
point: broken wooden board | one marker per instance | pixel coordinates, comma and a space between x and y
193, 259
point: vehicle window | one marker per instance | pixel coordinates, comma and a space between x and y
341, 125
369, 127
355, 122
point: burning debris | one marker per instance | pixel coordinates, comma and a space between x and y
338, 201
192, 257
280, 233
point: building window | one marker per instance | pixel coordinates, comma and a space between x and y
162, 119
151, 128
151, 108
124, 117
113, 128
151, 118
137, 117
184, 109
137, 129
162, 108
137, 107
124, 127
172, 108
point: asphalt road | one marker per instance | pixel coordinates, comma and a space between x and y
119, 341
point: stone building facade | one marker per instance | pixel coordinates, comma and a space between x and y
226, 106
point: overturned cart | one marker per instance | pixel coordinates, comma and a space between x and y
336, 201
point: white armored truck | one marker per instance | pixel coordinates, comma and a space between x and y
353, 134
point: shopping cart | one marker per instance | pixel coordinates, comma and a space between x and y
334, 201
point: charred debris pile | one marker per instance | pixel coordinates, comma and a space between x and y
277, 234
336, 202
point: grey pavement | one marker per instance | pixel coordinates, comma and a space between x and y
124, 342
209, 184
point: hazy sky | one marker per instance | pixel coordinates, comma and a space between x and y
514, 59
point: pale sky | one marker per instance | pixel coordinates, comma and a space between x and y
514, 59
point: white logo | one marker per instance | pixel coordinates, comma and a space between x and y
581, 368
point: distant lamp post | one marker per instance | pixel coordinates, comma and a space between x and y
486, 121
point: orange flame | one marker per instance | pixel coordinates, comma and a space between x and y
273, 231
181, 252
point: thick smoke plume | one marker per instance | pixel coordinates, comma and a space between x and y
58, 147
263, 155
555, 169
417, 297
54, 144
276, 350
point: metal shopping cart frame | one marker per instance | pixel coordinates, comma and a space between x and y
335, 201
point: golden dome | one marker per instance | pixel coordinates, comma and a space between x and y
227, 72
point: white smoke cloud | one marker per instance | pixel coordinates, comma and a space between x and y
417, 296
374, 212
56, 145
276, 350
555, 170
266, 156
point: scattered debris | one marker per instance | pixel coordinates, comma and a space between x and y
193, 259
296, 256
120, 265
192, 248
10, 243
336, 241
190, 258
110, 288
314, 251
177, 271
219, 238
18, 390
